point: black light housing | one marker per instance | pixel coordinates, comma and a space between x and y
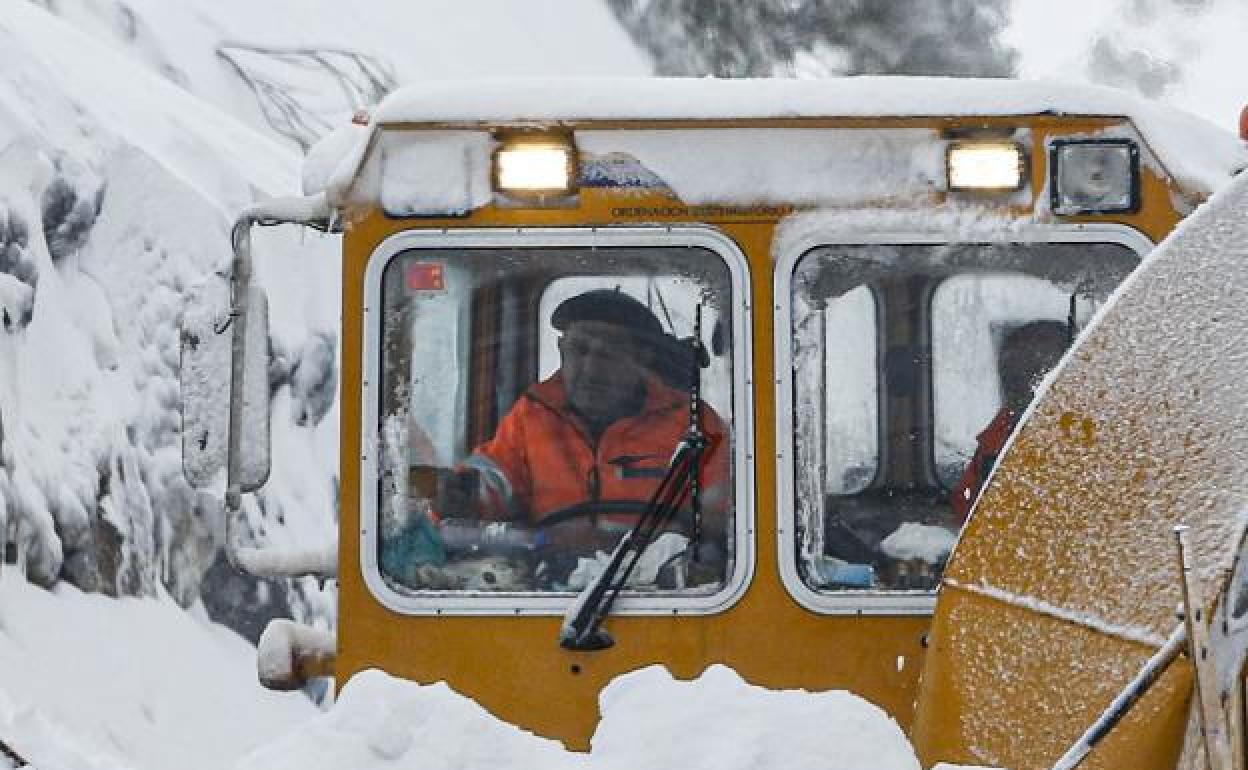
1094, 176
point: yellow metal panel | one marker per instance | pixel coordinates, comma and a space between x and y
1019, 707
514, 666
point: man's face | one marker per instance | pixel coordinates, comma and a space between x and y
1025, 360
602, 369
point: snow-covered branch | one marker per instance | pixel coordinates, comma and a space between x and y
302, 91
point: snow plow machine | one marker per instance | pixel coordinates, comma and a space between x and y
875, 384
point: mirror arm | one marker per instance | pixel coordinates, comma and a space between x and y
312, 211
240, 286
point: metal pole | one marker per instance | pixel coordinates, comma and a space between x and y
1123, 703
313, 211
1212, 717
1192, 628
240, 288
8, 753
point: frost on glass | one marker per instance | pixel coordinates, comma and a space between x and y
206, 340
971, 314
466, 338
896, 355
835, 354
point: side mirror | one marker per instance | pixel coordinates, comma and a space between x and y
206, 337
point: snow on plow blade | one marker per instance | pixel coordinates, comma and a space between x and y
1065, 581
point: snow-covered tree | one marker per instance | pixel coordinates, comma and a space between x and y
821, 37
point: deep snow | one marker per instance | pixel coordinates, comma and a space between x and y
649, 721
92, 682
126, 144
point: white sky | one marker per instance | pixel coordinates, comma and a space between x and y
1053, 37
1041, 31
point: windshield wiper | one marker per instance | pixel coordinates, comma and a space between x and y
582, 624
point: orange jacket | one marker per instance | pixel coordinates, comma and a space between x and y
990, 442
542, 457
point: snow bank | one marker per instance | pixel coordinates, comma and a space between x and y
649, 721
179, 130
116, 195
381, 722
719, 722
92, 682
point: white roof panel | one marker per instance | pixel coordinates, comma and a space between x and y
1199, 154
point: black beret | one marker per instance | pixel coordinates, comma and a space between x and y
608, 306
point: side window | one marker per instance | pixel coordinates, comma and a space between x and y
834, 348
973, 315
530, 402
910, 365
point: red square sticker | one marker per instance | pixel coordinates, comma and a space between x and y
426, 276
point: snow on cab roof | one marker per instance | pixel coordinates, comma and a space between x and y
1199, 154
553, 99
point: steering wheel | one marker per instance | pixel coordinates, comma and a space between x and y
561, 554
588, 508
681, 521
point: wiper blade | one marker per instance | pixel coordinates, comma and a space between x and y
582, 624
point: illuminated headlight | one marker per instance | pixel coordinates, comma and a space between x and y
1094, 176
534, 167
985, 166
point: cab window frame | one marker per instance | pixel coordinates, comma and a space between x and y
873, 601
436, 602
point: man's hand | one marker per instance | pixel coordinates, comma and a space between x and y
451, 491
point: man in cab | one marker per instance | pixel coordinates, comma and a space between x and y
588, 446
1028, 352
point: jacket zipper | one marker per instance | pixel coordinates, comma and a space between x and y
594, 482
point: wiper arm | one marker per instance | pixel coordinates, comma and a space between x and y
582, 624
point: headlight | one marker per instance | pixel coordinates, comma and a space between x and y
535, 166
1094, 176
985, 166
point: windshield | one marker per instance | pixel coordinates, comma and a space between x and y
530, 402
911, 366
